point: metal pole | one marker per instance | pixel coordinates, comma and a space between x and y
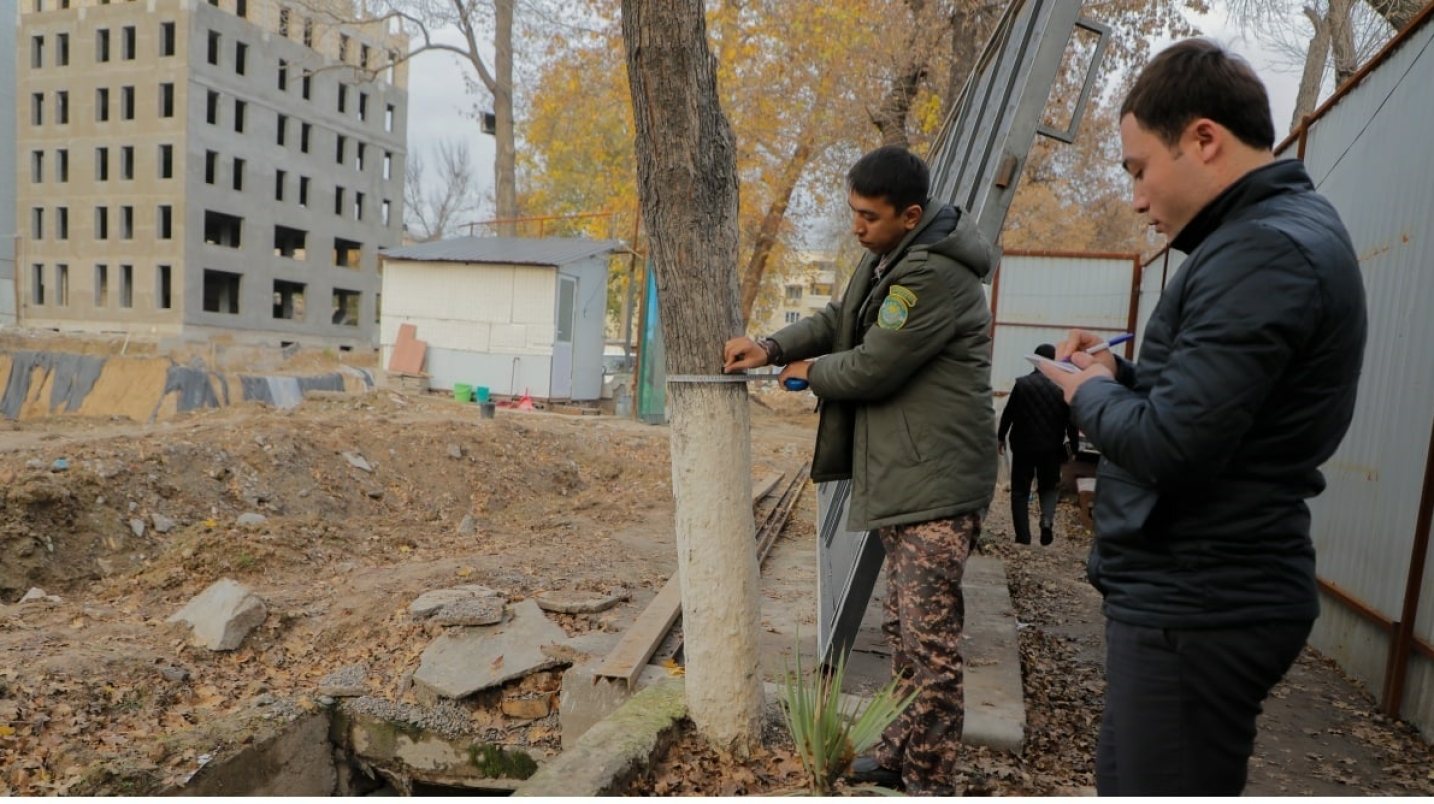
1404, 627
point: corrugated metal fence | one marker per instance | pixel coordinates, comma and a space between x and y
1367, 151
1039, 296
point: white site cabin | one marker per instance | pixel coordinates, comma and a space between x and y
514, 315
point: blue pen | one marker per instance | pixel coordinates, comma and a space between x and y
1106, 344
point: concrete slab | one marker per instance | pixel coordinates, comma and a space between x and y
613, 751
995, 703
587, 698
468, 659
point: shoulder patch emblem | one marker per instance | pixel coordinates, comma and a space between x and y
904, 294
894, 311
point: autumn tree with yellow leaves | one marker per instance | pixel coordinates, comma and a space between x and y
809, 88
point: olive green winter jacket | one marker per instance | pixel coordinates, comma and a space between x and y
905, 378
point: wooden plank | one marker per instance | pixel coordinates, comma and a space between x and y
638, 643
763, 487
408, 351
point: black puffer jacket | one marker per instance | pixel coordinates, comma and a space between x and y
1037, 417
1213, 441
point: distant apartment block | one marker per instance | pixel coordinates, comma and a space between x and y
194, 168
808, 287
8, 21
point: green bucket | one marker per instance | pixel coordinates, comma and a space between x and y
481, 394
462, 392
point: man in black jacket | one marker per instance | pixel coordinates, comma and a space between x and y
1212, 443
1039, 422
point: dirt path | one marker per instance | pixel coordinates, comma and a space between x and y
1320, 735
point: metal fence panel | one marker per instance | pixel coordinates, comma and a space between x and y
1368, 153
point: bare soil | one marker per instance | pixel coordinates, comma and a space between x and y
100, 695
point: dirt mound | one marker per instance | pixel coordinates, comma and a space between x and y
368, 501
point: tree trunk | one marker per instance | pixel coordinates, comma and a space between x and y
970, 28
1313, 75
1398, 13
687, 186
1341, 40
772, 226
505, 160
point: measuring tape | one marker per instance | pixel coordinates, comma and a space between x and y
792, 384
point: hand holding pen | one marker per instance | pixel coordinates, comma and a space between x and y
1089, 353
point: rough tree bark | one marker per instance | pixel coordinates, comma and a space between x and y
687, 187
1313, 75
505, 160
1398, 13
772, 225
1341, 40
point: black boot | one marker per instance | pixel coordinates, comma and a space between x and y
866, 770
1048, 533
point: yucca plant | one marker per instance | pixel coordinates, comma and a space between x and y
827, 731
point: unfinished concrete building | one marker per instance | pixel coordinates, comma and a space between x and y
7, 168
198, 169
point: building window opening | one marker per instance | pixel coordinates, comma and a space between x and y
221, 292
347, 253
221, 229
102, 285
288, 300
290, 243
346, 307
162, 298
126, 286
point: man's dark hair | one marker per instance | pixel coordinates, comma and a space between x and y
1047, 351
1199, 78
893, 173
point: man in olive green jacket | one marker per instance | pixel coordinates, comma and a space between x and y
905, 386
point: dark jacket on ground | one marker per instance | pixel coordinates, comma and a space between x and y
1213, 441
1037, 418
905, 384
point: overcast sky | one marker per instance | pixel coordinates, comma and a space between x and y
440, 106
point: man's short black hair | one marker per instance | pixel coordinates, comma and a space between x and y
892, 173
1047, 351
1199, 78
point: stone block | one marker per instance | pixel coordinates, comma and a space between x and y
587, 698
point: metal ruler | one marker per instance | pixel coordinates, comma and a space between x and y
721, 377
792, 384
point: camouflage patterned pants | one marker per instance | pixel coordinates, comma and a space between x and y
923, 619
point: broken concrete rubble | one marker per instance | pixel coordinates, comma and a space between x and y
466, 660
430, 603
345, 683
222, 615
574, 602
474, 611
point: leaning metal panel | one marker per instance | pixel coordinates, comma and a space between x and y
982, 147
